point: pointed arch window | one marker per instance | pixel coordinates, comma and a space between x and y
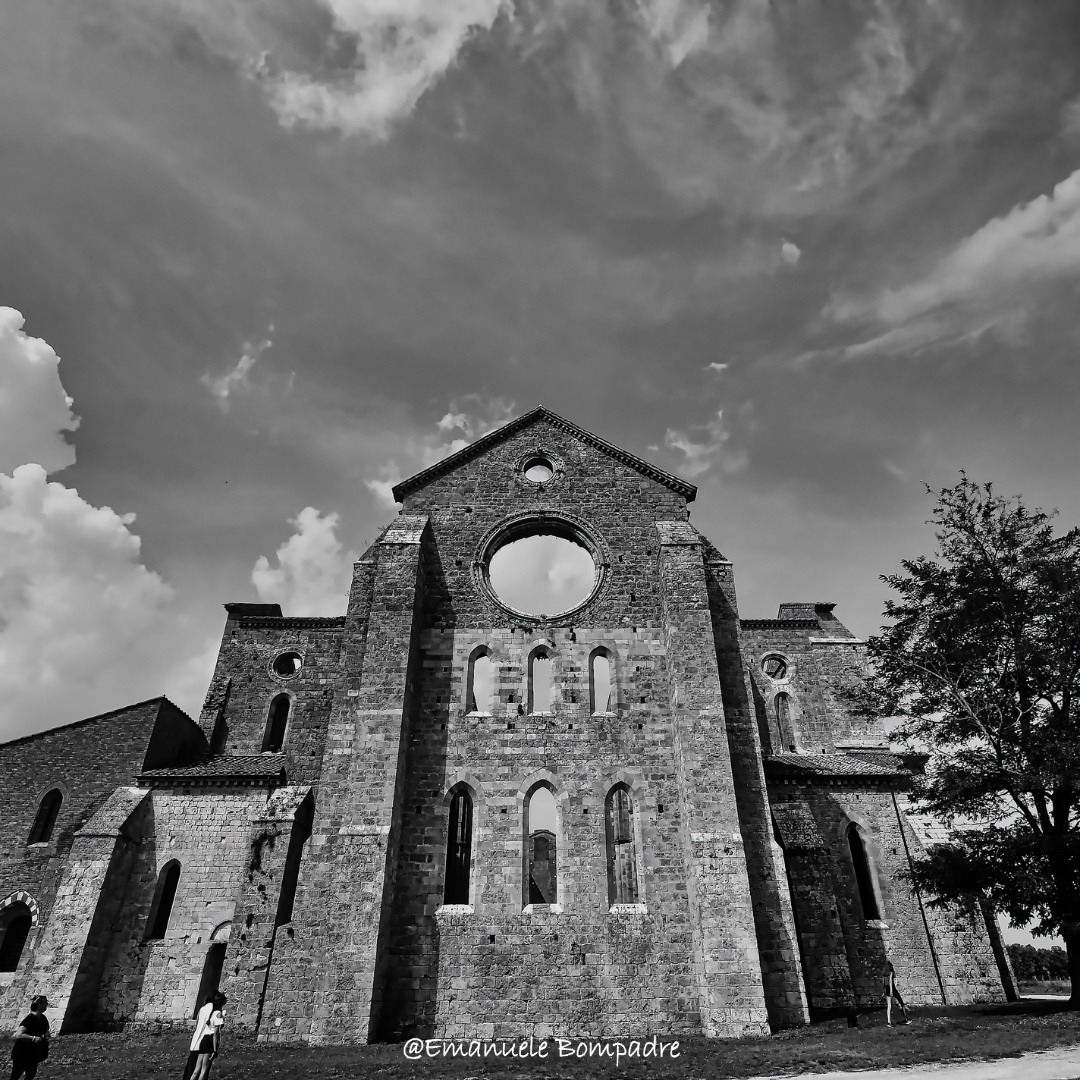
45, 821
541, 847
164, 895
480, 697
621, 847
600, 682
16, 921
784, 727
864, 875
277, 723
459, 847
541, 681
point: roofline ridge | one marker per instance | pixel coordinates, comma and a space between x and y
91, 719
412, 483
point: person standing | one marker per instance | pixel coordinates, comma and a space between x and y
31, 1046
892, 994
206, 1038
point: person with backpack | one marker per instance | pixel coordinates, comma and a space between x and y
206, 1038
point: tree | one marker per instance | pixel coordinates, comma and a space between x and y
981, 659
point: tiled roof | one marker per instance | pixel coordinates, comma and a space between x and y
810, 765
226, 768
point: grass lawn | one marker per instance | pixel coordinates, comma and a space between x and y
974, 1032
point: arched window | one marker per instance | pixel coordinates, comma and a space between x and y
541, 681
161, 908
621, 847
785, 729
458, 847
45, 822
277, 720
864, 877
541, 848
16, 921
600, 687
481, 682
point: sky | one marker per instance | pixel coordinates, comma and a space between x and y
259, 259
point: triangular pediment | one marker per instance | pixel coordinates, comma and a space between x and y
534, 416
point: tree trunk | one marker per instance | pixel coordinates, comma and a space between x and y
1070, 931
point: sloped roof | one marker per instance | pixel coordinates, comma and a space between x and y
225, 768
493, 438
808, 766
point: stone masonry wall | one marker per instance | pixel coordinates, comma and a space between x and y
245, 684
87, 761
207, 831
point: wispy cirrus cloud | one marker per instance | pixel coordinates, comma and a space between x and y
467, 418
236, 380
991, 282
704, 446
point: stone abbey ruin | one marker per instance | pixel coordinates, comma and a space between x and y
439, 814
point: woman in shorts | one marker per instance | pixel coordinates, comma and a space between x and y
205, 1040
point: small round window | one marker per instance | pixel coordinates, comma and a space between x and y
538, 470
287, 665
776, 667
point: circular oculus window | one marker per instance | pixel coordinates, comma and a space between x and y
538, 470
287, 664
776, 667
541, 567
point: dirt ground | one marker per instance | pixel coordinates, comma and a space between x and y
978, 1033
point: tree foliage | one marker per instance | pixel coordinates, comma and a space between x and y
981, 659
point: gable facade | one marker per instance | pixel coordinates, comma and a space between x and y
362, 833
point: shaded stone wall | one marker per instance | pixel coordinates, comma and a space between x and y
207, 831
87, 761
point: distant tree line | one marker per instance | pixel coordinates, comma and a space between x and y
1038, 965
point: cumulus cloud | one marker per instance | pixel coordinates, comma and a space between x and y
398, 49
988, 283
84, 626
235, 380
82, 620
466, 419
313, 569
705, 446
34, 409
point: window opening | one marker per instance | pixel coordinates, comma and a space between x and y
164, 895
785, 729
45, 822
458, 848
600, 681
864, 879
622, 847
16, 921
481, 684
541, 682
276, 722
775, 667
539, 470
542, 574
542, 847
288, 664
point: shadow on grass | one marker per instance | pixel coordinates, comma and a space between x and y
943, 1035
